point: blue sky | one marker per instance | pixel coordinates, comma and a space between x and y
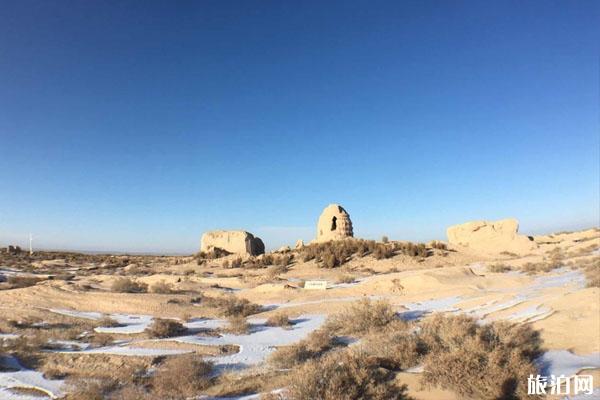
136, 126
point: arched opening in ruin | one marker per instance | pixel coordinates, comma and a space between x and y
333, 223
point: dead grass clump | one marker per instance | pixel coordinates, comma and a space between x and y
489, 361
163, 328
238, 325
18, 282
181, 377
593, 276
414, 250
337, 252
313, 346
499, 268
439, 245
108, 322
281, 320
90, 389
396, 346
350, 373
236, 263
383, 251
101, 339
232, 305
361, 317
345, 279
532, 268
161, 287
211, 255
127, 285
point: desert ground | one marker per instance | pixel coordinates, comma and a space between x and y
79, 326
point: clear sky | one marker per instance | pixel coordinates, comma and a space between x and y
136, 126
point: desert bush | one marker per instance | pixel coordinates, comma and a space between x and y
284, 260
53, 373
593, 276
181, 377
161, 287
91, 389
313, 346
336, 253
489, 361
414, 250
281, 320
101, 339
396, 346
532, 268
127, 285
499, 267
163, 328
345, 279
107, 321
361, 317
385, 239
236, 263
439, 245
211, 255
231, 305
18, 282
237, 324
225, 264
383, 251
344, 374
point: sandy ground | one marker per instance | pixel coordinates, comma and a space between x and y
557, 303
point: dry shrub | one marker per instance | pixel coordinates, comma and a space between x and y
396, 346
107, 321
181, 377
127, 285
414, 250
236, 263
336, 253
313, 346
101, 339
131, 392
345, 279
361, 317
344, 375
90, 389
163, 328
479, 361
535, 268
237, 324
383, 251
211, 255
231, 305
281, 320
18, 282
161, 287
593, 277
499, 268
439, 245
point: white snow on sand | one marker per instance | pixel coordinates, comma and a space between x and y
563, 362
128, 323
256, 346
124, 350
19, 377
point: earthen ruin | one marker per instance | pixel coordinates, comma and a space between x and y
235, 242
334, 224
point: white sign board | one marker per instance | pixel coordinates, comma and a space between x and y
315, 285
